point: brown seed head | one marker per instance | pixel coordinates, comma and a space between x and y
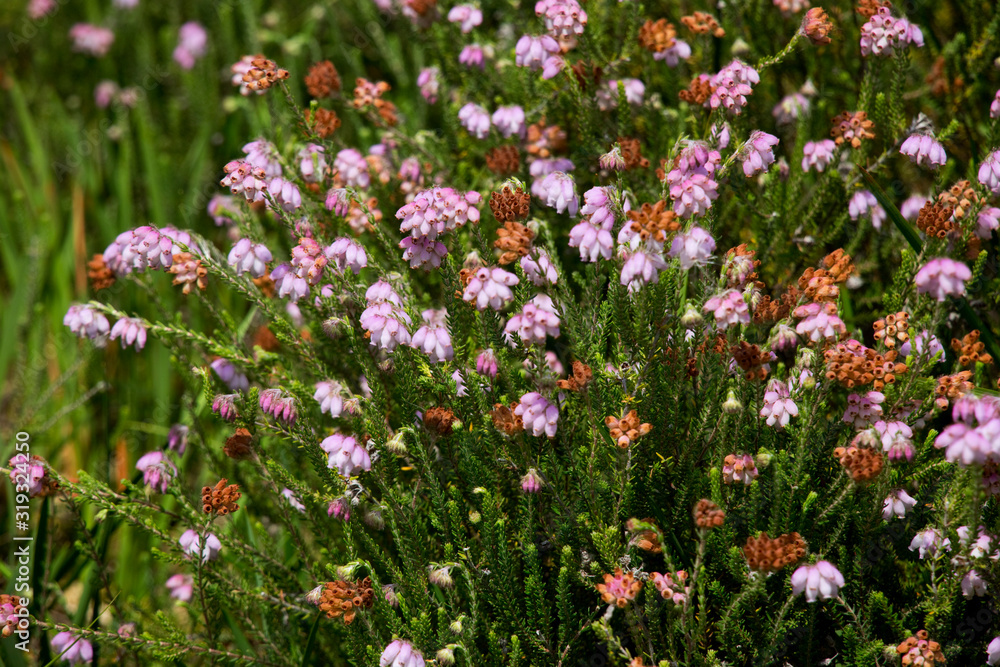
220, 499
323, 80
237, 445
764, 554
708, 515
581, 377
851, 128
817, 26
439, 420
503, 160
509, 204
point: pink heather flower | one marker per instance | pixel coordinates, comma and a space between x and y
86, 322
882, 34
191, 544
222, 209
467, 15
995, 106
239, 68
509, 120
263, 155
312, 163
924, 343
742, 469
862, 411
347, 253
330, 396
308, 260
731, 86
181, 587
438, 210
778, 405
532, 51
486, 363
38, 9
694, 195
942, 277
531, 482
429, 83
460, 390
863, 203
642, 267
993, 652
177, 439
928, 542
401, 653
671, 586
987, 222
790, 7
91, 39
288, 283
911, 206
818, 154
975, 435
729, 309
250, 257
345, 455
475, 119
104, 93
229, 375
340, 509
692, 248
279, 405
790, 108
607, 95
23, 465
411, 177
539, 269
540, 168
553, 65
157, 470
757, 154
286, 194
423, 251
681, 50
613, 160
973, 585
352, 168
593, 234
564, 19
538, 414
242, 177
821, 581
472, 55
989, 172
149, 248
897, 504
820, 322
224, 405
558, 191
924, 150
539, 318
896, 439
72, 648
490, 287
384, 318
293, 500
192, 43
433, 338
131, 330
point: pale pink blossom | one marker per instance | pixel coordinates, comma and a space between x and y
472, 55
190, 542
345, 455
330, 396
729, 309
540, 416
91, 39
433, 338
928, 542
131, 330
539, 318
820, 581
247, 256
692, 248
559, 192
863, 203
429, 83
989, 172
490, 288
466, 15
181, 587
345, 253
924, 150
778, 405
818, 154
897, 504
942, 277
475, 119
352, 168
157, 470
86, 322
192, 44
538, 268
509, 120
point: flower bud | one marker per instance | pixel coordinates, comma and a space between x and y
456, 626
440, 576
475, 517
396, 444
732, 405
613, 159
446, 656
691, 319
763, 459
313, 596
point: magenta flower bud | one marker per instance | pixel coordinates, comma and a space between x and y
340, 509
177, 439
87, 322
924, 150
308, 260
987, 222
731, 85
432, 338
896, 440
490, 288
250, 257
466, 15
73, 648
345, 455
229, 375
91, 39
564, 19
924, 343
285, 193
192, 44
757, 154
729, 309
224, 405
190, 542
181, 587
613, 160
863, 411
27, 468
384, 318
423, 252
401, 653
472, 55
486, 363
942, 277
157, 470
882, 34
738, 468
429, 83
989, 172
540, 416
338, 201
352, 168
531, 482
509, 121
559, 192
539, 318
279, 405
475, 119
897, 504
821, 581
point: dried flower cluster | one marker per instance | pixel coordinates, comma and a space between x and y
221, 498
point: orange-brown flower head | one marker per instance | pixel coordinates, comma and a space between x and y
657, 36
920, 650
708, 515
323, 80
581, 377
324, 122
952, 387
892, 329
12, 611
439, 420
514, 240
619, 589
654, 221
631, 152
510, 204
220, 499
101, 277
263, 74
188, 272
543, 140
504, 419
764, 554
503, 160
237, 445
645, 535
344, 598
971, 350
702, 23
851, 128
627, 430
861, 463
698, 91
817, 26
751, 359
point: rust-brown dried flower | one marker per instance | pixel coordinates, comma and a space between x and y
868, 8
587, 74
188, 272
265, 284
324, 122
820, 284
939, 81
263, 73
654, 220
854, 365
510, 204
657, 36
505, 420
368, 94
771, 310
751, 359
619, 589
702, 23
626, 430
952, 387
764, 554
851, 128
839, 264
698, 91
514, 239
892, 329
503, 160
816, 26
935, 219
862, 464
645, 535
101, 277
741, 267
920, 650
237, 445
220, 499
581, 377
323, 80
439, 420
265, 339
344, 598
971, 349
543, 140
708, 515
632, 153
961, 197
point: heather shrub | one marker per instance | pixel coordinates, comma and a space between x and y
510, 334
